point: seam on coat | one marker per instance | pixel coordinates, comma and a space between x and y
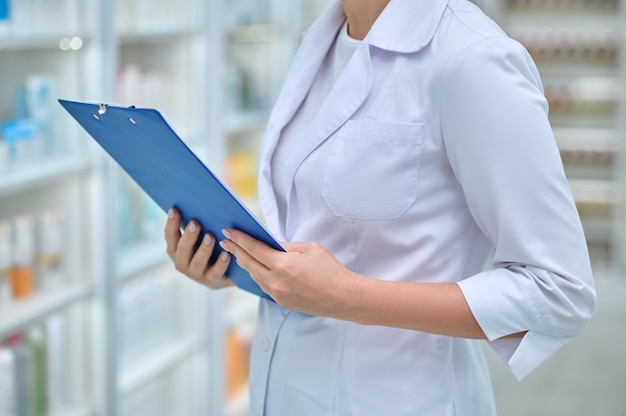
538, 307
395, 70
336, 400
353, 251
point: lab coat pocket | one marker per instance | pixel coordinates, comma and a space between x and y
372, 169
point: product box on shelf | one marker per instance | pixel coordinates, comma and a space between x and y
5, 14
32, 136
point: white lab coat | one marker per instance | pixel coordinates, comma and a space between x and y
432, 148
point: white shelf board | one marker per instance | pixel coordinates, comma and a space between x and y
45, 173
155, 363
156, 32
35, 42
142, 257
241, 121
575, 20
594, 191
21, 313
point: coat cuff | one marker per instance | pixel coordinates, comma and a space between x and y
511, 295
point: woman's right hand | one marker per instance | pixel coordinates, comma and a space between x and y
196, 265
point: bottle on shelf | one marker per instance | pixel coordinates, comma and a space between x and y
57, 362
37, 371
22, 271
8, 405
5, 263
49, 256
40, 97
21, 363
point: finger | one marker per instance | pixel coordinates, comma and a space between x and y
295, 247
256, 249
172, 231
256, 269
200, 259
186, 244
215, 276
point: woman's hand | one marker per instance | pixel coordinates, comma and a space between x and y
306, 278
180, 248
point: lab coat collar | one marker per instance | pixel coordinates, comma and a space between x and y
404, 26
395, 30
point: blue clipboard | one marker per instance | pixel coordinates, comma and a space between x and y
148, 149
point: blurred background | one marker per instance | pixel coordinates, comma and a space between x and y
94, 320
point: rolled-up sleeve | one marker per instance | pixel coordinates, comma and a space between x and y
501, 148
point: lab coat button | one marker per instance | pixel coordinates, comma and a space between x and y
266, 344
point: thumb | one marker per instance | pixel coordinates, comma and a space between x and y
295, 247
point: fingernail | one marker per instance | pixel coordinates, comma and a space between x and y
207, 240
224, 256
226, 233
170, 214
224, 245
192, 227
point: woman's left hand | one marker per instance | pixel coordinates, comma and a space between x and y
306, 278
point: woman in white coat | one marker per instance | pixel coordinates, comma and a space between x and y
409, 142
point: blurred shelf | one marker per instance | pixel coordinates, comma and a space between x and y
570, 46
24, 312
157, 32
598, 231
142, 257
154, 363
245, 120
587, 146
587, 96
253, 33
594, 198
39, 42
45, 173
561, 6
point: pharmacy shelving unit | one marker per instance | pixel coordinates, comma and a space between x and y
42, 169
576, 45
132, 341
161, 356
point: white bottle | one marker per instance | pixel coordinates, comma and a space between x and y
7, 380
57, 362
5, 263
40, 103
49, 255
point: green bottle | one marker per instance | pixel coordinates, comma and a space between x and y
37, 371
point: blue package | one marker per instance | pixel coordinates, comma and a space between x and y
4, 10
19, 130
